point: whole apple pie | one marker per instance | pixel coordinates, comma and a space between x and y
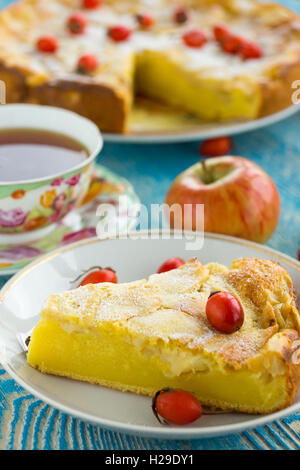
216, 59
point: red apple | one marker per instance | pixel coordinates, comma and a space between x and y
239, 198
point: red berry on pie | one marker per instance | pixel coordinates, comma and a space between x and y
181, 15
119, 33
231, 44
99, 276
176, 406
250, 50
194, 38
91, 4
220, 32
77, 23
87, 63
224, 312
48, 44
216, 147
145, 20
171, 263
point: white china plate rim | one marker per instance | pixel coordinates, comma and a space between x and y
158, 431
192, 135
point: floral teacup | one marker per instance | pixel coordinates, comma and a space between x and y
30, 208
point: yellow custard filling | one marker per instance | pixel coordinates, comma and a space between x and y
208, 97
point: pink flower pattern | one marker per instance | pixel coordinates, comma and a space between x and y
74, 180
80, 235
59, 202
19, 253
12, 218
57, 182
54, 217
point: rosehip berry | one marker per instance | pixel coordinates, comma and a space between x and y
224, 312
176, 406
220, 32
231, 44
145, 21
181, 15
77, 23
119, 33
48, 44
171, 263
91, 4
194, 38
216, 147
250, 50
299, 255
87, 63
99, 276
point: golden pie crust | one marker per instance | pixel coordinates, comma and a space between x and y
150, 62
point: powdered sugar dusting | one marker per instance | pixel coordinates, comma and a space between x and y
51, 17
171, 307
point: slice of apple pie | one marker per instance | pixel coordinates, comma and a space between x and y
150, 334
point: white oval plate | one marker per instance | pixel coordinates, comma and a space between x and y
156, 127
21, 300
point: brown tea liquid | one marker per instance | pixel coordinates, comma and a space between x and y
27, 154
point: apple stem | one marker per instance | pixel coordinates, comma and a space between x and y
206, 173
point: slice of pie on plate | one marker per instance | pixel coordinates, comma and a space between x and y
150, 334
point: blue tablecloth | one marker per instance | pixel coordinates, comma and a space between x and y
27, 423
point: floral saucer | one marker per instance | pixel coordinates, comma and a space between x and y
106, 188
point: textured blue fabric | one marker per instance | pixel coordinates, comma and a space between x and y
27, 423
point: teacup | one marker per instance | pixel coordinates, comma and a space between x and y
31, 208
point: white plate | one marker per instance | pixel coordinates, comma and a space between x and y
159, 127
21, 300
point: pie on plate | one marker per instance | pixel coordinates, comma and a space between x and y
176, 60
153, 333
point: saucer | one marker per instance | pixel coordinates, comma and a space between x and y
106, 188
